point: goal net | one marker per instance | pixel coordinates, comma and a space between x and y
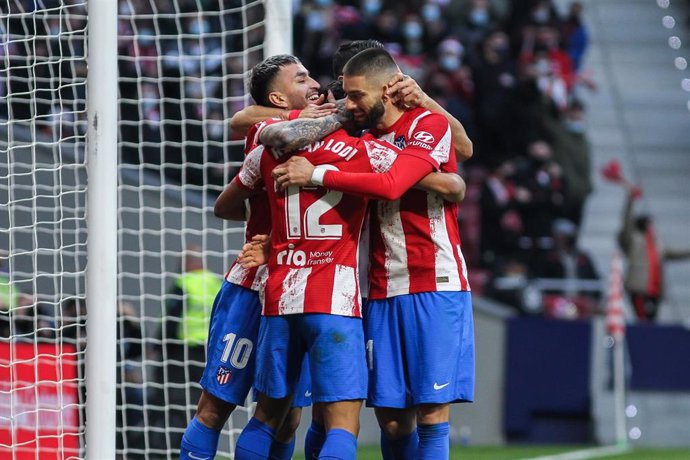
182, 66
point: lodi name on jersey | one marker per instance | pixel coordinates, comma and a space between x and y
340, 148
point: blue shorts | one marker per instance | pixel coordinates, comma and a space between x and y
420, 349
231, 346
334, 345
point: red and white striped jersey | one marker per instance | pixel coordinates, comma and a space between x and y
313, 262
415, 241
258, 221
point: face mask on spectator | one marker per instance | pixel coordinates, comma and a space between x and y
371, 7
216, 131
412, 30
575, 126
541, 15
146, 37
479, 17
431, 13
501, 49
199, 27
450, 62
542, 67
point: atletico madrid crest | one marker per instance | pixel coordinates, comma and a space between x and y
223, 375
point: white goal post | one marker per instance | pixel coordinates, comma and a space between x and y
114, 143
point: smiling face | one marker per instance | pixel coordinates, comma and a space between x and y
293, 88
365, 99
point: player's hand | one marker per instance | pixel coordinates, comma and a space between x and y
405, 92
296, 171
319, 109
255, 252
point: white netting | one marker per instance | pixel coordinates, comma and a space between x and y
182, 66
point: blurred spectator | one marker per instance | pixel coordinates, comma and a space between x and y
183, 334
575, 34
544, 180
495, 101
571, 150
9, 294
568, 266
130, 396
646, 255
502, 224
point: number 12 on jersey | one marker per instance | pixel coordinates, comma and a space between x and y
307, 225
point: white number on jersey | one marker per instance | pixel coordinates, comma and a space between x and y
313, 230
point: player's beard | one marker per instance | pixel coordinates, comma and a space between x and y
373, 116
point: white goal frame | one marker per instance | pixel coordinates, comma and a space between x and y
101, 270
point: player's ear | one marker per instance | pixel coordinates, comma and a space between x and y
277, 99
384, 94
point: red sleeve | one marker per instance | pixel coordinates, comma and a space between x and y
406, 171
431, 139
294, 114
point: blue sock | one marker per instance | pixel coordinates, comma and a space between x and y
434, 441
386, 448
339, 445
200, 440
255, 441
281, 450
404, 448
313, 442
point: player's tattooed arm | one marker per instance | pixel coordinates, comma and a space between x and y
449, 186
297, 134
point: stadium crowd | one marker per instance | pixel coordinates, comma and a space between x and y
511, 72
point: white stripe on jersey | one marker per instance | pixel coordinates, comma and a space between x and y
441, 152
294, 288
250, 174
380, 156
393, 235
363, 257
413, 125
260, 278
463, 266
447, 277
344, 291
237, 274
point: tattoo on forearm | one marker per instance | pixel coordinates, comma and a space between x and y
297, 134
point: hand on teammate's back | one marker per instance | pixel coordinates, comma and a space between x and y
255, 252
405, 92
295, 171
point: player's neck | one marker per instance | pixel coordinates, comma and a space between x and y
390, 116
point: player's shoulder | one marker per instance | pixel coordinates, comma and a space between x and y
252, 139
425, 127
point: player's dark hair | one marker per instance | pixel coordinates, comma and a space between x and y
262, 76
374, 61
346, 50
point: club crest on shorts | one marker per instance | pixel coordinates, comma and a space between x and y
223, 375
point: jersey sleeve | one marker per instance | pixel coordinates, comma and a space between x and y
249, 176
394, 173
254, 132
430, 138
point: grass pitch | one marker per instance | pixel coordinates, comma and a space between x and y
527, 452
